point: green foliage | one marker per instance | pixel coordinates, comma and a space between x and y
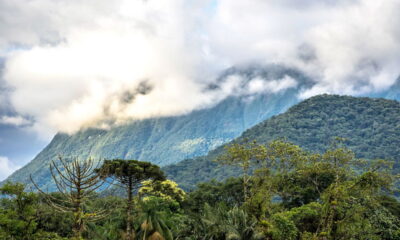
370, 126
153, 219
20, 218
167, 190
293, 195
230, 193
244, 156
111, 227
126, 171
17, 212
391, 204
282, 228
306, 217
129, 174
331, 195
223, 223
52, 221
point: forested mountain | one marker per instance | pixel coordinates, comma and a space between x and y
371, 127
171, 139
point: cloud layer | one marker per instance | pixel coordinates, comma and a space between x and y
74, 64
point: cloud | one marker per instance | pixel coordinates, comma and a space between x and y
14, 120
74, 64
259, 85
6, 168
348, 47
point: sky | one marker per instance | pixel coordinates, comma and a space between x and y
66, 65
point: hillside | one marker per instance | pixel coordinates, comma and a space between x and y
371, 127
171, 139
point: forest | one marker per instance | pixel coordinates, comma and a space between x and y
370, 128
283, 192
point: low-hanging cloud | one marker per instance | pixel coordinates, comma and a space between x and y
75, 64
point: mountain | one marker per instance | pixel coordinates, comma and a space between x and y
169, 140
371, 127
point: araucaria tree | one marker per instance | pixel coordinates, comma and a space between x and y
76, 181
129, 174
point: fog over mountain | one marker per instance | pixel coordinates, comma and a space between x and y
70, 65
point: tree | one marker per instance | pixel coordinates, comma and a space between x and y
244, 156
220, 222
229, 193
129, 174
279, 160
17, 212
152, 219
167, 190
352, 204
75, 181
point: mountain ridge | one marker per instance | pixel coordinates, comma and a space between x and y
171, 139
374, 132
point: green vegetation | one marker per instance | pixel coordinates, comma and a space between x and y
293, 194
129, 174
75, 181
323, 179
371, 128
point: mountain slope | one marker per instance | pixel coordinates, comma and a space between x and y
372, 127
171, 139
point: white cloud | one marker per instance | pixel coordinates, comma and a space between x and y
259, 85
358, 50
14, 120
6, 168
348, 47
74, 64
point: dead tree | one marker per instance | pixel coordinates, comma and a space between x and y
76, 181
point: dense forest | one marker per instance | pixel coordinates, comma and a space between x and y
292, 194
371, 128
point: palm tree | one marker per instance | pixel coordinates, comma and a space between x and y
221, 223
153, 226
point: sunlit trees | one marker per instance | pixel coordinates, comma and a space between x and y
332, 195
167, 190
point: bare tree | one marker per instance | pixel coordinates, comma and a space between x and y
76, 181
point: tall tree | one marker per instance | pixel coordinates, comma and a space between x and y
244, 156
129, 174
76, 181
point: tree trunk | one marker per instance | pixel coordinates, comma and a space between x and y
78, 222
129, 235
